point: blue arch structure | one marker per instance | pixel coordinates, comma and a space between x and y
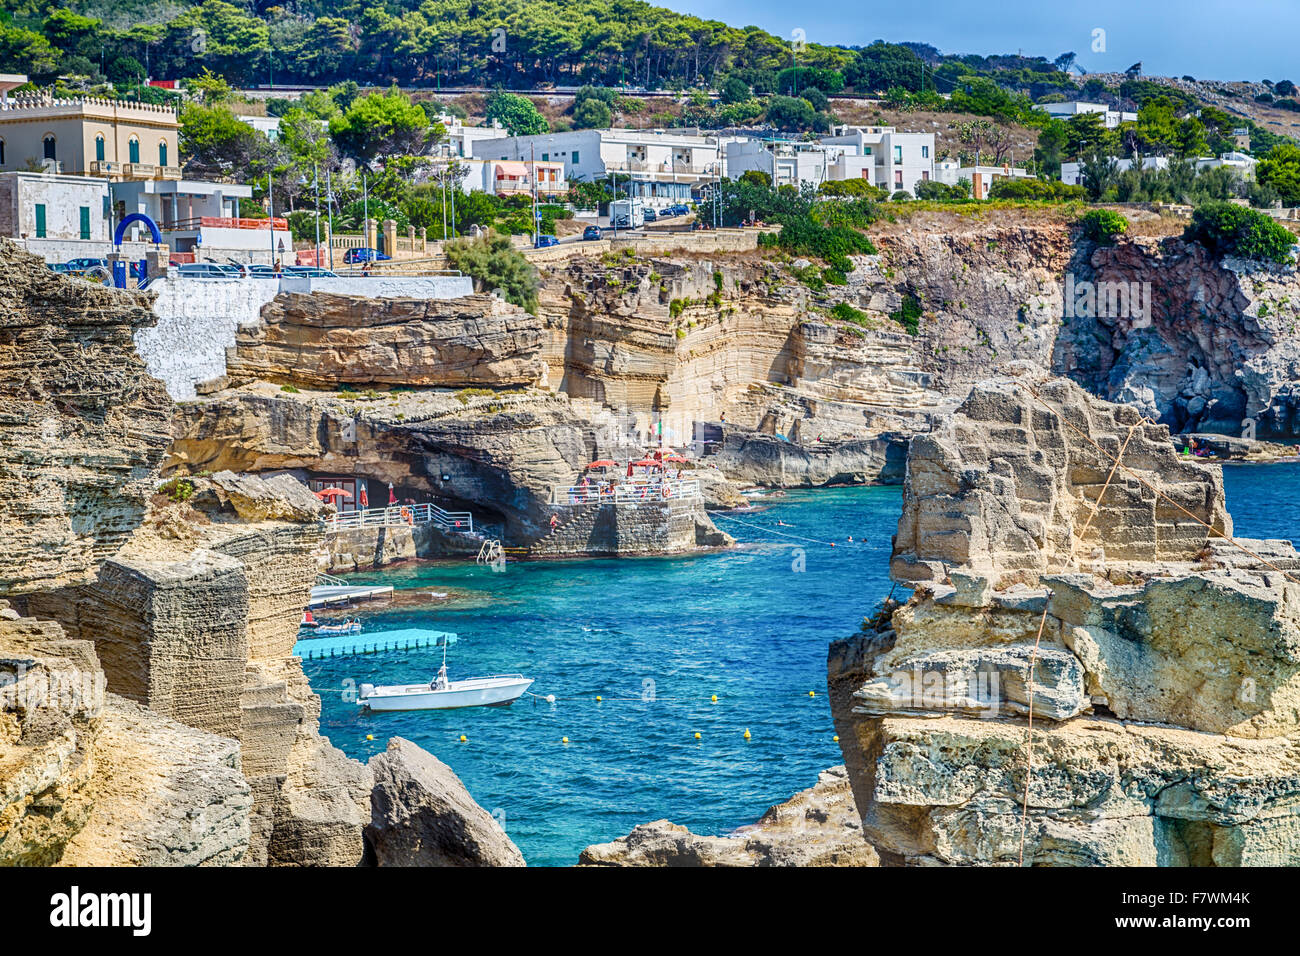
120, 231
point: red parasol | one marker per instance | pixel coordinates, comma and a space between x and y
331, 493
365, 501
603, 463
647, 463
392, 497
676, 459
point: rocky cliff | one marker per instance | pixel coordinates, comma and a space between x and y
83, 425
1218, 351
151, 712
324, 340
1158, 655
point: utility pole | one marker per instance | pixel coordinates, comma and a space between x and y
532, 147
315, 177
443, 177
329, 205
270, 208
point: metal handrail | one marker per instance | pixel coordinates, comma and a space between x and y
461, 522
631, 491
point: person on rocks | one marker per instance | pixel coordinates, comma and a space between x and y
555, 521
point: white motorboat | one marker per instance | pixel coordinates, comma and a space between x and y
443, 694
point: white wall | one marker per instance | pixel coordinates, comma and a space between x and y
197, 318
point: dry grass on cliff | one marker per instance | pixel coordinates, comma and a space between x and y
973, 218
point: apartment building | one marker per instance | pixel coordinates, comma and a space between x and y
1063, 111
899, 160
792, 163
659, 167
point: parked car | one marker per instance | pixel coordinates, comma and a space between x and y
207, 270
544, 241
311, 272
364, 254
83, 264
650, 215
591, 232
680, 209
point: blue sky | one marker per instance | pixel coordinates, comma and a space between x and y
1208, 39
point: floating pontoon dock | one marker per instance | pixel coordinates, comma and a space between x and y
327, 594
345, 645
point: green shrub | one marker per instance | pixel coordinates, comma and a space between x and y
909, 315
677, 306
1227, 229
1043, 190
847, 313
494, 264
177, 489
1102, 225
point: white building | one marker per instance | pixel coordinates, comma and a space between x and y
660, 167
1112, 118
1072, 173
792, 163
460, 139
202, 219
898, 160
54, 216
1242, 164
982, 178
268, 126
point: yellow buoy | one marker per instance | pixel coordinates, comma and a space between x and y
564, 740
597, 697
697, 735
836, 738
746, 733
715, 698
370, 736
812, 693
463, 738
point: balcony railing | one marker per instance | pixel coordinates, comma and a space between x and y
139, 170
224, 222
167, 172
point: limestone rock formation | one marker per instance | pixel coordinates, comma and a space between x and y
201, 629
422, 815
83, 425
1217, 352
1161, 659
324, 340
819, 826
88, 778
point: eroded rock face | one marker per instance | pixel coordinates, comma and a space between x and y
90, 779
1161, 660
82, 425
201, 629
1008, 484
324, 340
819, 826
1218, 347
422, 815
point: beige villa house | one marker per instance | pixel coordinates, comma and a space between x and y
88, 136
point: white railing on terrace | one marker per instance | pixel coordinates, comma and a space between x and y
630, 491
397, 515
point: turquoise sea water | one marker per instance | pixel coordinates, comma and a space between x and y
744, 625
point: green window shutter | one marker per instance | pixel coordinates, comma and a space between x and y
108, 209
162, 154
99, 148
134, 150
40, 220
85, 222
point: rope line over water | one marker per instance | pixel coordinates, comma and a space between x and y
759, 527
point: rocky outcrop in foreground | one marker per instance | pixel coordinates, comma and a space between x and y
819, 826
324, 340
422, 815
1162, 661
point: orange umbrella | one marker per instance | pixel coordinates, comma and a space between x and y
647, 463
603, 463
678, 459
331, 493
